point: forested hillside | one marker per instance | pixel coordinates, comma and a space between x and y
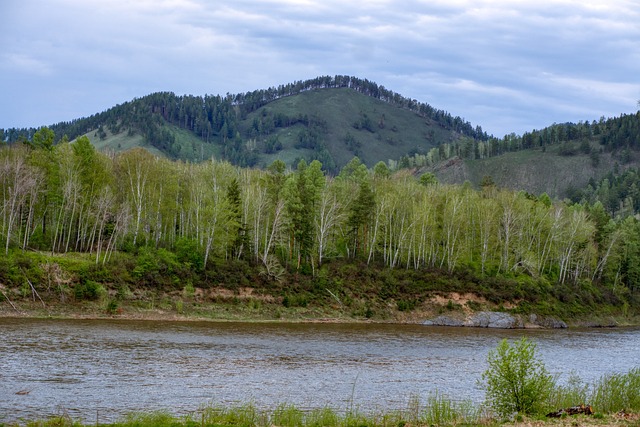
183, 221
239, 129
565, 161
334, 118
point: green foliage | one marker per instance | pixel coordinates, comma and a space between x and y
157, 267
616, 392
44, 138
189, 290
112, 306
149, 223
573, 393
241, 416
516, 381
146, 263
287, 415
295, 301
428, 179
441, 411
406, 305
123, 292
88, 290
151, 419
249, 128
189, 253
438, 410
61, 421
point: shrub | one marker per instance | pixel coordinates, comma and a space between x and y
516, 381
88, 290
406, 305
188, 252
295, 301
112, 306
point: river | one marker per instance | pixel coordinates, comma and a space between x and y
104, 369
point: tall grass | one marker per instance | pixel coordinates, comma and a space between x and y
610, 394
438, 411
441, 410
241, 416
616, 392
573, 393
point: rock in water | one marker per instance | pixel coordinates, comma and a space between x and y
443, 321
494, 319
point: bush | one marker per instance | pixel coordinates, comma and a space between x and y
406, 305
88, 290
188, 252
295, 301
112, 306
517, 382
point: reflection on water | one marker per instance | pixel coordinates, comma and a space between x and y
108, 368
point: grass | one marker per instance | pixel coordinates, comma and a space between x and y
615, 398
120, 142
617, 392
291, 416
192, 148
438, 411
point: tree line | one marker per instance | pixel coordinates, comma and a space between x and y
67, 197
620, 135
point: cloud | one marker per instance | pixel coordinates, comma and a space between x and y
25, 63
505, 65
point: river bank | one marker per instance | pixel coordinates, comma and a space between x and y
37, 284
434, 313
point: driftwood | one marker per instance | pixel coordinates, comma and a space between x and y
574, 410
7, 298
33, 289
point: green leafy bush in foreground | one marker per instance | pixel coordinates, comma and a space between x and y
517, 382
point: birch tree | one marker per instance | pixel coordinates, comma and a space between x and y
19, 182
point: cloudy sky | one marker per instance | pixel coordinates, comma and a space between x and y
506, 65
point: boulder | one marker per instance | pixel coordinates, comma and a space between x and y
498, 320
443, 321
494, 319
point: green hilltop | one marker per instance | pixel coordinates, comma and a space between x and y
331, 119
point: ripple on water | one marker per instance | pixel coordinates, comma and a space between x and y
114, 367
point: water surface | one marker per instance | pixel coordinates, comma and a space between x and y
107, 368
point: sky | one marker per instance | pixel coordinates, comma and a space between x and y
506, 65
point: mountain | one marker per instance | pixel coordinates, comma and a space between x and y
328, 118
334, 118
